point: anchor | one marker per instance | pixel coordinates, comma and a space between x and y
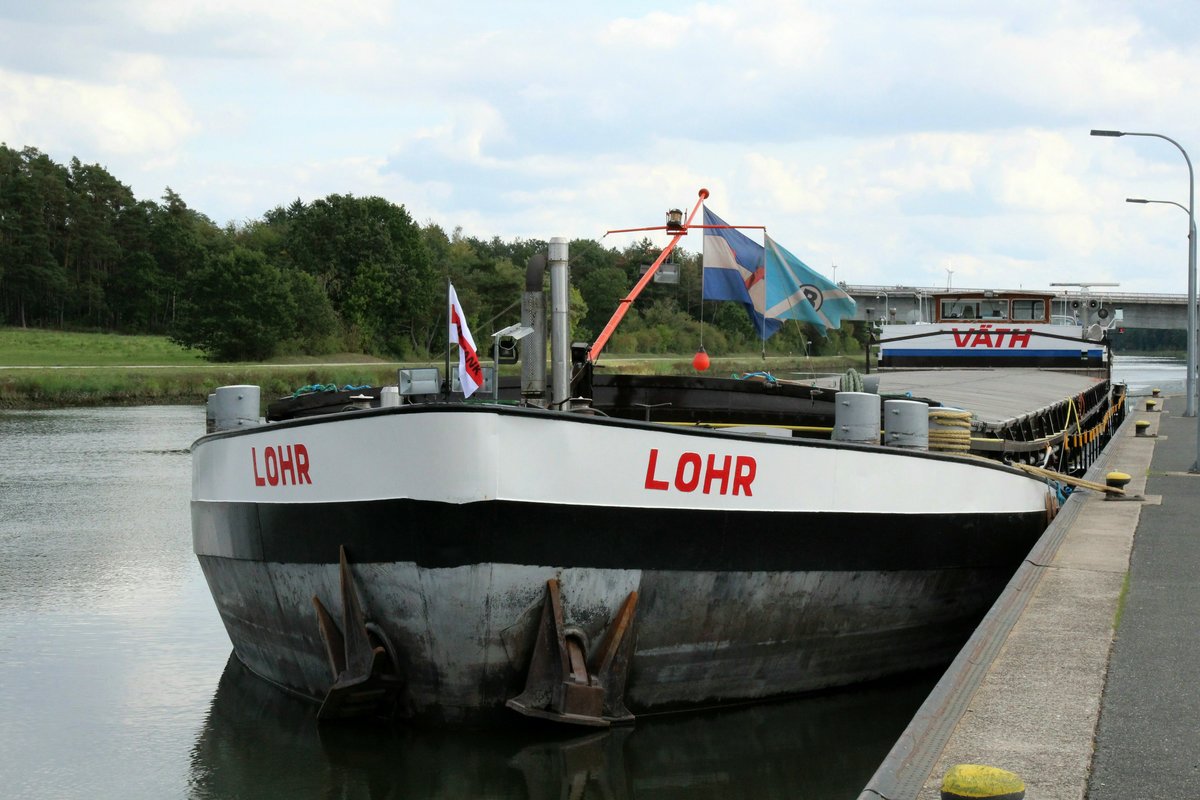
562, 685
365, 682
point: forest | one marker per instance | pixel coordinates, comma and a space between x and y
340, 274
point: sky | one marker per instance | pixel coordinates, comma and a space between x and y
923, 143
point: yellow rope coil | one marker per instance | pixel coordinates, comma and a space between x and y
949, 430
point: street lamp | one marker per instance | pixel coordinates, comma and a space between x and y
1192, 278
1191, 343
1191, 335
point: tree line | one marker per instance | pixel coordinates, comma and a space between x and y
340, 274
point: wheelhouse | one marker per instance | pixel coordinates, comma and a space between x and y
985, 306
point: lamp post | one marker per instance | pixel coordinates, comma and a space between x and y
1191, 332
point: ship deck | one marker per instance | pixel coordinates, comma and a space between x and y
996, 397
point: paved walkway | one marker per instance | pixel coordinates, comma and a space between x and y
1084, 678
1148, 740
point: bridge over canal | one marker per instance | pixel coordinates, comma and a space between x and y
913, 303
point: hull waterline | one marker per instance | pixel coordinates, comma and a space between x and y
763, 566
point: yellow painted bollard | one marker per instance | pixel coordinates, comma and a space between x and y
981, 782
1151, 404
1155, 392
1141, 427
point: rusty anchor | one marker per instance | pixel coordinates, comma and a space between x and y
365, 682
561, 684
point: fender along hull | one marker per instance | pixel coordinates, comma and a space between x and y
805, 565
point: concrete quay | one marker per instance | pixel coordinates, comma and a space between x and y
1082, 677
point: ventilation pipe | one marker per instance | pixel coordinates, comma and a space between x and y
560, 324
533, 346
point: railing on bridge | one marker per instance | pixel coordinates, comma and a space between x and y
910, 303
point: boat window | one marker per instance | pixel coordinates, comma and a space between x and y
959, 309
993, 309
1029, 310
975, 309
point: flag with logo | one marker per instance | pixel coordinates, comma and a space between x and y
470, 371
734, 270
795, 291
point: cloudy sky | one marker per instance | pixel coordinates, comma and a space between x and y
894, 140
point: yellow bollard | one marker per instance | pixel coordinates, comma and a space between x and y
1151, 404
981, 782
1141, 427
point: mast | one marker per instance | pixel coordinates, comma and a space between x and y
623, 306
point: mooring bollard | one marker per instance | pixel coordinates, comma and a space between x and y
1141, 427
1155, 392
1151, 404
981, 782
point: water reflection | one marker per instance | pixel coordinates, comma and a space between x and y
826, 747
112, 654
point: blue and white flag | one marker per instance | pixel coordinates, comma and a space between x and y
734, 270
795, 291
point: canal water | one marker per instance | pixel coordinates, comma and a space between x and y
117, 679
1145, 373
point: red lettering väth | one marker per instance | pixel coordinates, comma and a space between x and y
281, 465
1017, 339
986, 336
711, 474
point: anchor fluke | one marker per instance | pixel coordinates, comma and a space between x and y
364, 678
562, 684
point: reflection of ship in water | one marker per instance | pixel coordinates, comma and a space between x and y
260, 742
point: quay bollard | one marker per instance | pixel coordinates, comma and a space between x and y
1117, 480
1151, 404
1155, 392
981, 782
1141, 428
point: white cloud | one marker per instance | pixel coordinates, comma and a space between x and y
123, 118
892, 140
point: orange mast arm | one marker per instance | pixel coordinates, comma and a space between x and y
624, 305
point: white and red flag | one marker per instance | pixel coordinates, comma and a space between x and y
470, 372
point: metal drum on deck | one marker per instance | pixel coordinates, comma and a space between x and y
235, 407
856, 417
906, 424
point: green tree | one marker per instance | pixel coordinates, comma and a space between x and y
236, 307
33, 206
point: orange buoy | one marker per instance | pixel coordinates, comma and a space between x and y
700, 360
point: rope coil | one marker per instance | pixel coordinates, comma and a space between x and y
949, 430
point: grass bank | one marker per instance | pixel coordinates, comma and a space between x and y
52, 369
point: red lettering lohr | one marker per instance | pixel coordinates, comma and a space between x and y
258, 480
281, 462
687, 461
651, 481
690, 469
711, 473
287, 464
744, 473
302, 465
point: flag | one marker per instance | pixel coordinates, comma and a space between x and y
795, 291
734, 270
470, 373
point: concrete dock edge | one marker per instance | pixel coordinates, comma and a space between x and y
1024, 692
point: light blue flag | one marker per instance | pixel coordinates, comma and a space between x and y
733, 270
795, 291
